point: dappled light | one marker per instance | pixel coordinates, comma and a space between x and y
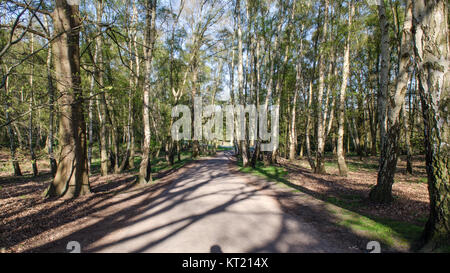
215, 126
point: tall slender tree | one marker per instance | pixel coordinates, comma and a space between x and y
149, 41
382, 192
432, 52
321, 110
343, 170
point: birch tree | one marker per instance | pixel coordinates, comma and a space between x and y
343, 170
382, 192
149, 41
432, 53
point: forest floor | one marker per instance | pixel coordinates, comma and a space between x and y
333, 205
27, 219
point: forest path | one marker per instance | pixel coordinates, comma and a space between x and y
211, 207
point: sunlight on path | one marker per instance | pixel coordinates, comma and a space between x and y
207, 206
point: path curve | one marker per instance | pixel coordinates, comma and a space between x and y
211, 208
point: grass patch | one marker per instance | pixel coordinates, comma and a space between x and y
391, 233
224, 148
355, 166
274, 173
351, 203
423, 180
158, 164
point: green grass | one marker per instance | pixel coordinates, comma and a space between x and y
273, 173
158, 164
224, 148
423, 180
355, 166
391, 233
347, 203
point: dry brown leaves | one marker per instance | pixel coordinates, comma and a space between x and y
27, 220
411, 201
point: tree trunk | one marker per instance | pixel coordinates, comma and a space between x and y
281, 76
355, 135
372, 122
266, 156
51, 97
195, 143
302, 143
20, 140
12, 145
382, 192
136, 87
308, 128
30, 125
257, 81
242, 142
166, 147
114, 138
132, 144
71, 179
320, 164
342, 165
407, 142
90, 117
384, 71
293, 131
298, 86
126, 159
145, 168
433, 62
329, 111
101, 102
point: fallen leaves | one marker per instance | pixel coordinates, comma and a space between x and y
411, 199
